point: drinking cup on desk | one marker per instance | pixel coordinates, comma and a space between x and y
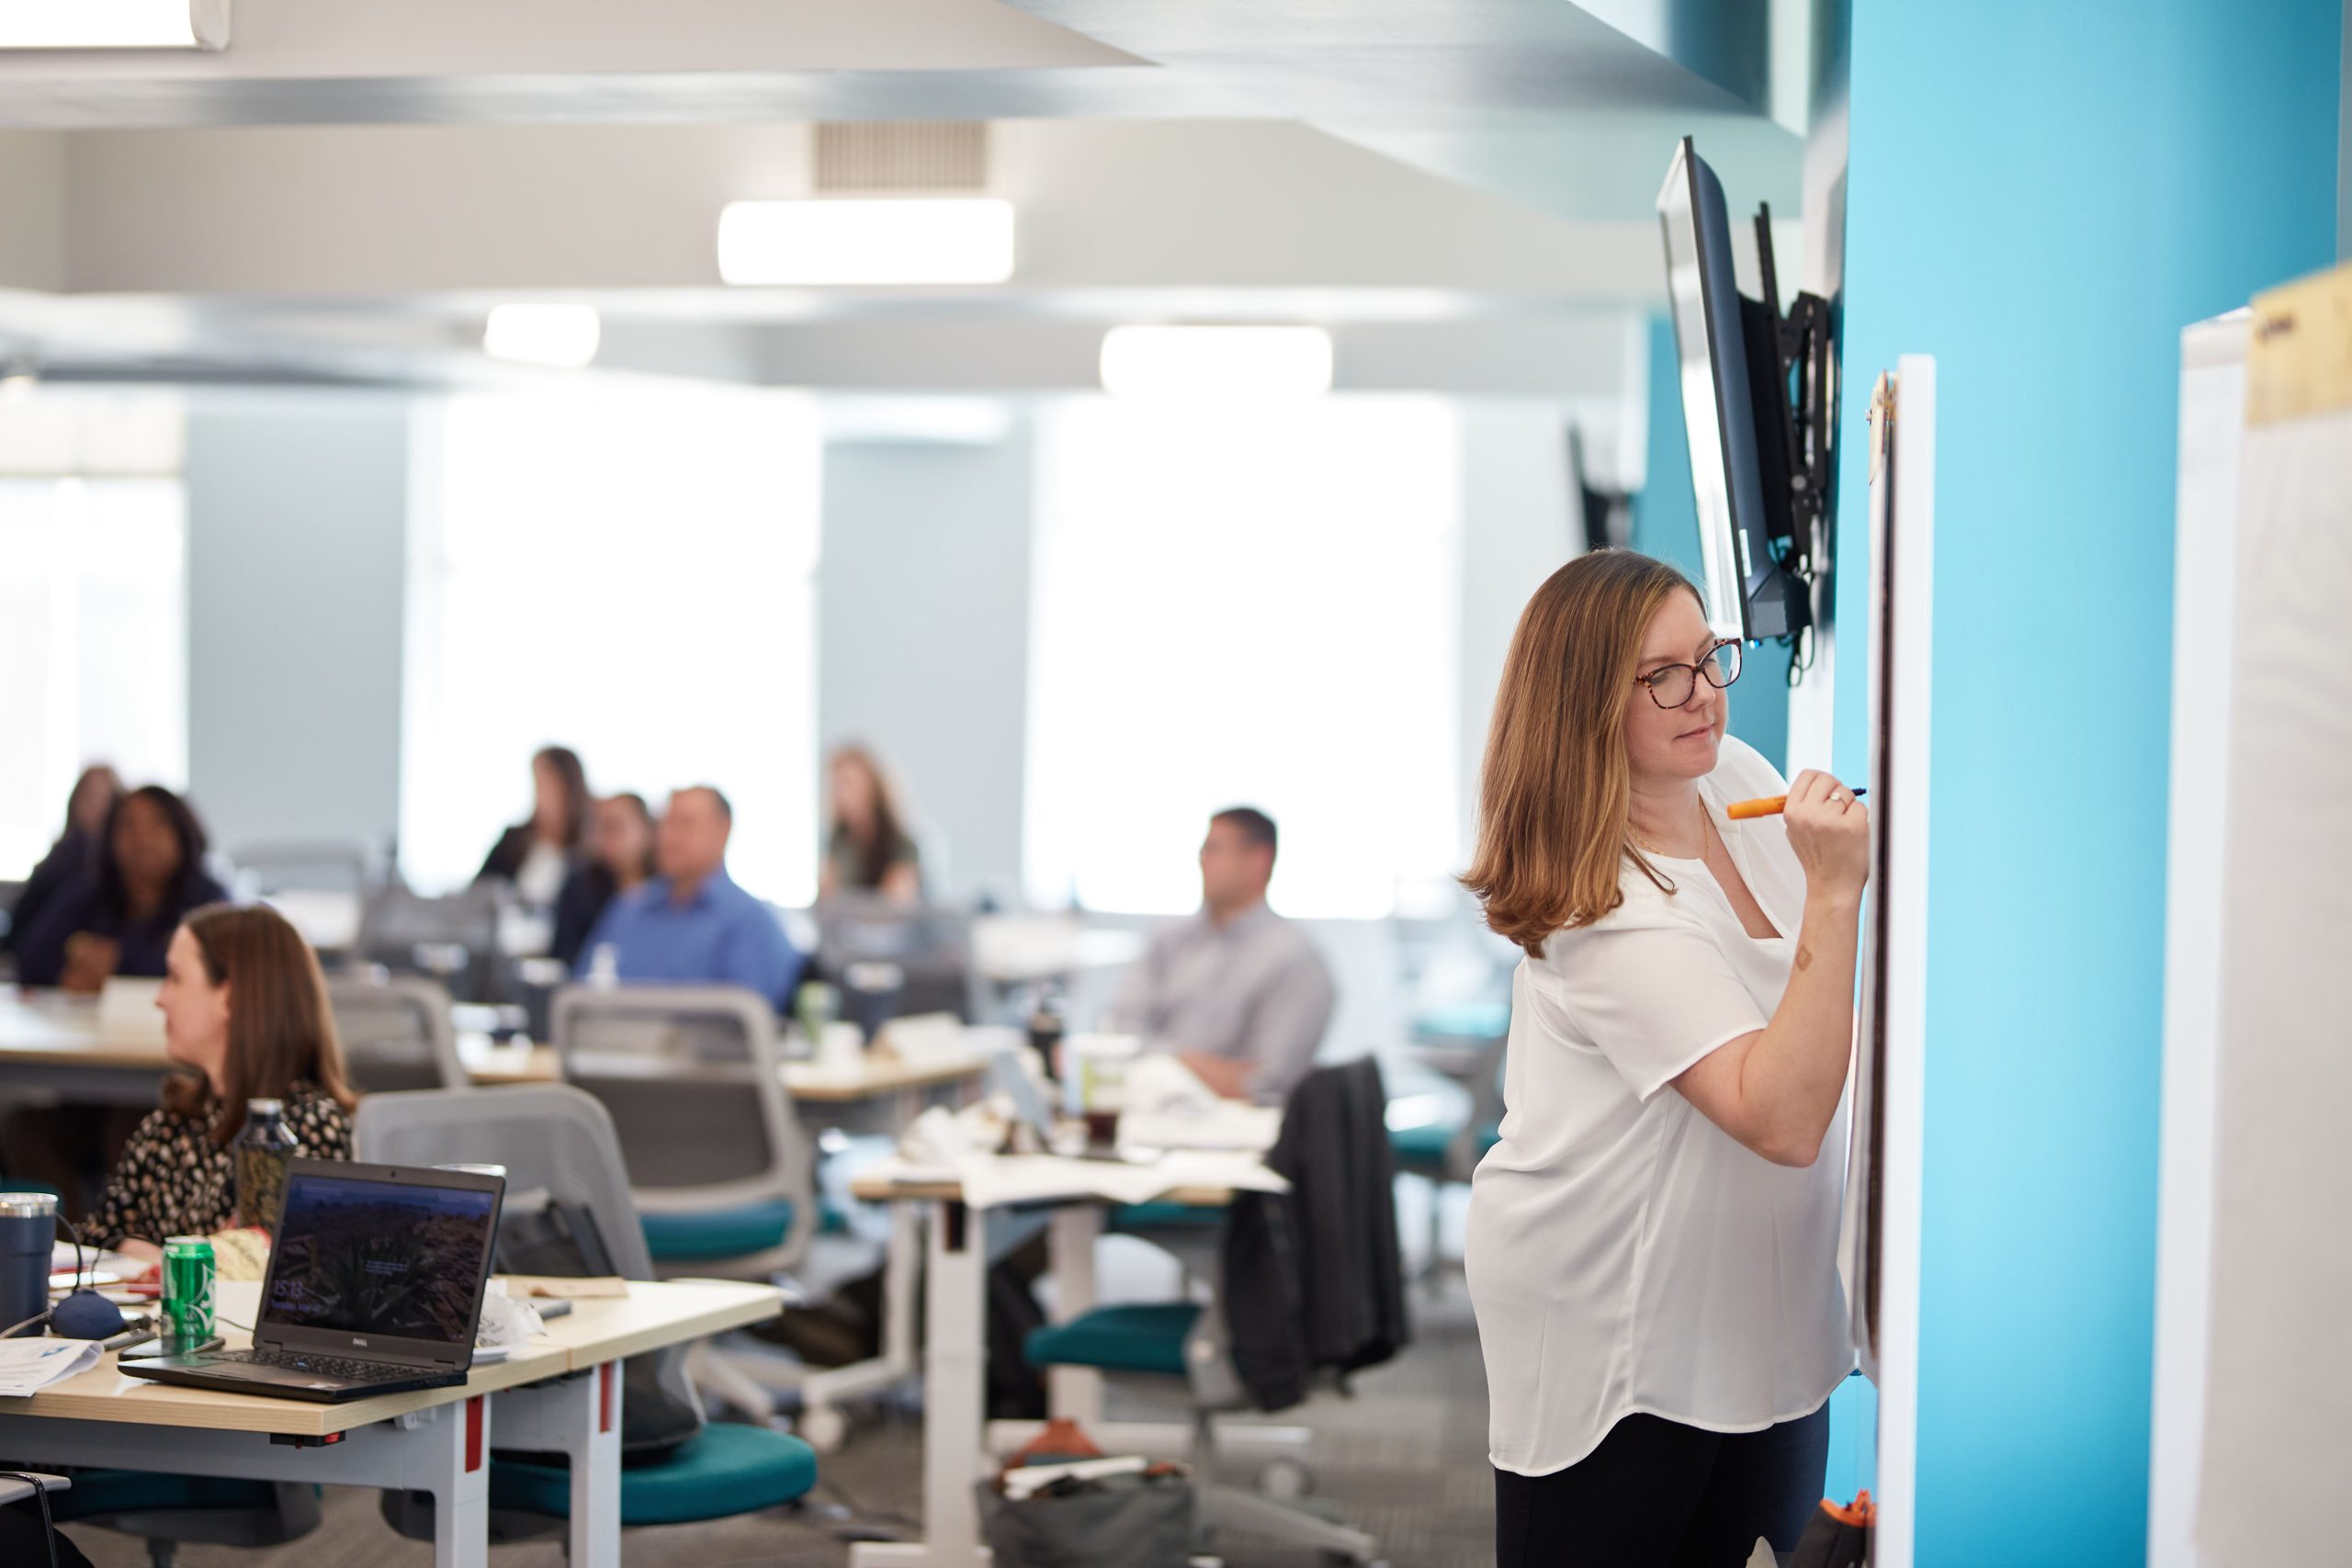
27, 1226
840, 1047
1098, 1064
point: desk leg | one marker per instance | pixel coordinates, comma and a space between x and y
579, 1417
444, 1450
459, 1461
955, 1314
1075, 1392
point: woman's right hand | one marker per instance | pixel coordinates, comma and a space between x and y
1831, 837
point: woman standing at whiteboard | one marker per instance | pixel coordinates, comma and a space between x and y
1652, 1245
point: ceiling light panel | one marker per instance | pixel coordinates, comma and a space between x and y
873, 242
114, 24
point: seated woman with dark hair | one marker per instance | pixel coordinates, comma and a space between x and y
246, 1014
74, 852
538, 853
619, 858
117, 918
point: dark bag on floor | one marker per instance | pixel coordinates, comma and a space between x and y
1131, 1520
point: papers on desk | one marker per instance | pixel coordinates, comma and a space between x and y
990, 1181
1167, 1107
28, 1366
944, 1147
102, 1267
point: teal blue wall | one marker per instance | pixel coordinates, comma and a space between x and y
1666, 525
2042, 195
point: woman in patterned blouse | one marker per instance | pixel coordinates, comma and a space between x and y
245, 1016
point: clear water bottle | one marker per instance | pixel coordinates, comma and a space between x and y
262, 1151
605, 966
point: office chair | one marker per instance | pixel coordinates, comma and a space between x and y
396, 1032
559, 1139
724, 1176
1445, 1151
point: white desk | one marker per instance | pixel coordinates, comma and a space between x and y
955, 1428
435, 1441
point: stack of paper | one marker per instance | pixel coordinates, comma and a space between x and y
28, 1366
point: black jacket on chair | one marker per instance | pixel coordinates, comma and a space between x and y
1314, 1279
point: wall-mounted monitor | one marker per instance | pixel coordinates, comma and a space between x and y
1735, 414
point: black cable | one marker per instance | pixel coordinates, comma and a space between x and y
40, 1491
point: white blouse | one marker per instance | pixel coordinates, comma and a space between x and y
1624, 1253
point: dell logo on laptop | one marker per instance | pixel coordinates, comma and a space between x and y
359, 1343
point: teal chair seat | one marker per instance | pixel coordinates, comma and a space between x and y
1144, 1337
1421, 1151
723, 1471
102, 1492
1463, 1021
1165, 1217
717, 1232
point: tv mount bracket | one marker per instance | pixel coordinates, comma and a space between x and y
1805, 339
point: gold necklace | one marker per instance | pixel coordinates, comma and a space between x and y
1656, 849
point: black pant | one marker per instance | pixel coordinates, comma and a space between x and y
1657, 1493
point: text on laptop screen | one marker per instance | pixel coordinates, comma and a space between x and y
381, 1258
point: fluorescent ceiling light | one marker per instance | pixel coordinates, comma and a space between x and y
564, 337
1225, 364
114, 24
854, 239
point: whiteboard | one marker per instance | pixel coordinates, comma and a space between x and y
2279, 1391
1881, 1255
2205, 555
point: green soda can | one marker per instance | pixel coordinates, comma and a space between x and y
187, 1294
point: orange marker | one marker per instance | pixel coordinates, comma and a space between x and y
1771, 805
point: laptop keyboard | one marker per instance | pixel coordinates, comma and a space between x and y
323, 1366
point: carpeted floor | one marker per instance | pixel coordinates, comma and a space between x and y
1405, 1460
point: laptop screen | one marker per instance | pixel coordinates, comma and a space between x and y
382, 1258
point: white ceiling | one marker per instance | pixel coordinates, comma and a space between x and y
1462, 188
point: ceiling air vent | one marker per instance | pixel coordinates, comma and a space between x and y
915, 155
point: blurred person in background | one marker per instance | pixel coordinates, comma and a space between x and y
536, 856
1236, 992
690, 924
75, 854
619, 860
867, 847
117, 917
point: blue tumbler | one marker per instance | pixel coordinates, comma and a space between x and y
28, 1226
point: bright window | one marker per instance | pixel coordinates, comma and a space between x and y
93, 639
630, 575
1251, 609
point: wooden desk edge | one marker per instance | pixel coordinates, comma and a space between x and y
212, 1410
163, 1404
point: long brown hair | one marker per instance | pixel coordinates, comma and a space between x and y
1554, 791
280, 1027
875, 854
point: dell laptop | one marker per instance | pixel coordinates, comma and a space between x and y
374, 1286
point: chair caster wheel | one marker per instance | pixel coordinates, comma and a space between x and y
1284, 1479
823, 1428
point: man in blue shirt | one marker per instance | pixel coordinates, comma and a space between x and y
691, 925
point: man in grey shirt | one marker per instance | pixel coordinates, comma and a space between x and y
1236, 991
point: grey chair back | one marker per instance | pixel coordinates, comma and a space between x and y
552, 1138
692, 1078
396, 1032
926, 951
454, 938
